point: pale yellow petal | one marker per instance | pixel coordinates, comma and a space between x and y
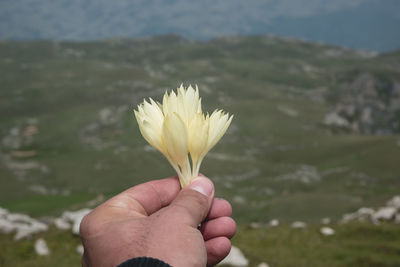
198, 136
153, 113
175, 138
150, 131
170, 103
219, 123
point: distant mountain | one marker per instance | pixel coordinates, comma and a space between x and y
362, 24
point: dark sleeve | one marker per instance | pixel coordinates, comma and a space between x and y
144, 262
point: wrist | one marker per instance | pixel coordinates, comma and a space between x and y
144, 262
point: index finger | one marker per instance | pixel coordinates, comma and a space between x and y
149, 197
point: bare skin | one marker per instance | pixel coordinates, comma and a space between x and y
157, 219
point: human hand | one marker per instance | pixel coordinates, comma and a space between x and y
157, 219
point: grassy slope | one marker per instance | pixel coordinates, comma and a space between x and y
352, 245
65, 85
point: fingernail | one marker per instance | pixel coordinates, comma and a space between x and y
202, 185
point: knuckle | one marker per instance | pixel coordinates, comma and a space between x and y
85, 226
89, 226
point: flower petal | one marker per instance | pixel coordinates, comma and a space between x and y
219, 123
198, 136
175, 138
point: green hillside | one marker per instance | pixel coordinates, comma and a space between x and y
68, 134
78, 99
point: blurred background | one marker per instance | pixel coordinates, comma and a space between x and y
310, 162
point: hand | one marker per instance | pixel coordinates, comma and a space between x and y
158, 220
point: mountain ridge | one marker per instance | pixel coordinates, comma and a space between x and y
362, 24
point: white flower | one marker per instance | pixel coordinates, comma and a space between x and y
180, 131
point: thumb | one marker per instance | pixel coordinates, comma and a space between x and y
193, 202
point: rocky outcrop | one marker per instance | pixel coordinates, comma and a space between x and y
298, 225
21, 135
333, 119
80, 250
367, 104
305, 174
388, 213
235, 258
74, 218
21, 224
109, 119
327, 231
41, 247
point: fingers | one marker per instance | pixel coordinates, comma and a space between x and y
217, 249
219, 208
217, 231
222, 226
193, 202
147, 198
